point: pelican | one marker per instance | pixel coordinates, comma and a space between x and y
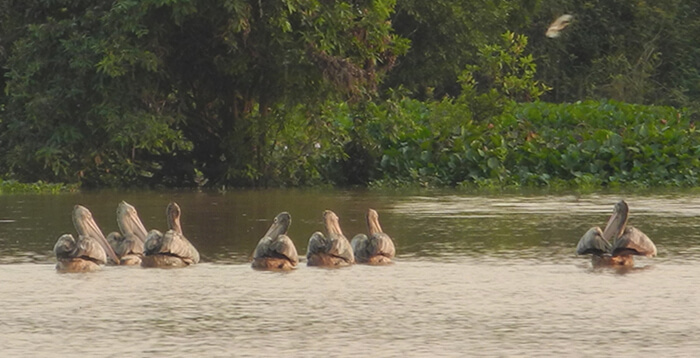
375, 249
128, 244
276, 251
334, 250
86, 253
627, 241
171, 249
555, 29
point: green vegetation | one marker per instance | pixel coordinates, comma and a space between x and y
540, 144
12, 187
370, 92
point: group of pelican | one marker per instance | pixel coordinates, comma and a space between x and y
276, 251
627, 241
132, 245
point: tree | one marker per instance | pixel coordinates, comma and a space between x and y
633, 51
157, 90
445, 37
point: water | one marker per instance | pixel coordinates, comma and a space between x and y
474, 276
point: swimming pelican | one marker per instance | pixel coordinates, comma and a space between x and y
87, 252
276, 251
376, 249
334, 250
128, 244
627, 241
171, 249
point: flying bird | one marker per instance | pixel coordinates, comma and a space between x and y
555, 29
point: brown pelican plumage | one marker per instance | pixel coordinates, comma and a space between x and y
88, 251
334, 250
276, 251
171, 249
626, 241
128, 243
556, 27
378, 248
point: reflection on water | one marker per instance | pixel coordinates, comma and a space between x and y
474, 276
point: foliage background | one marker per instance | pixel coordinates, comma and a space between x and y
182, 93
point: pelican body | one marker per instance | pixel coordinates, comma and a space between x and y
171, 249
331, 251
375, 249
628, 241
86, 253
276, 251
128, 243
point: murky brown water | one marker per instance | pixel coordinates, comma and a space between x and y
474, 276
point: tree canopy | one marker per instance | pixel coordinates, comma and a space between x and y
246, 93
109, 92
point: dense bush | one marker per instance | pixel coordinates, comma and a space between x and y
590, 143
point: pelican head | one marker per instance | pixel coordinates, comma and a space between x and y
173, 212
373, 222
86, 226
617, 221
129, 221
280, 225
332, 223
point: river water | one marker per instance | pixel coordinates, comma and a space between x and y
475, 275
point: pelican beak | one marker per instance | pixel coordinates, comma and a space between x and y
373, 222
129, 221
87, 224
617, 222
279, 226
332, 222
95, 232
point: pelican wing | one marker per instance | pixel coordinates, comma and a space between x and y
125, 244
593, 242
633, 242
171, 243
381, 244
317, 244
284, 247
154, 241
89, 247
360, 247
340, 247
84, 247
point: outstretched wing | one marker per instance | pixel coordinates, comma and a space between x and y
633, 242
593, 242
